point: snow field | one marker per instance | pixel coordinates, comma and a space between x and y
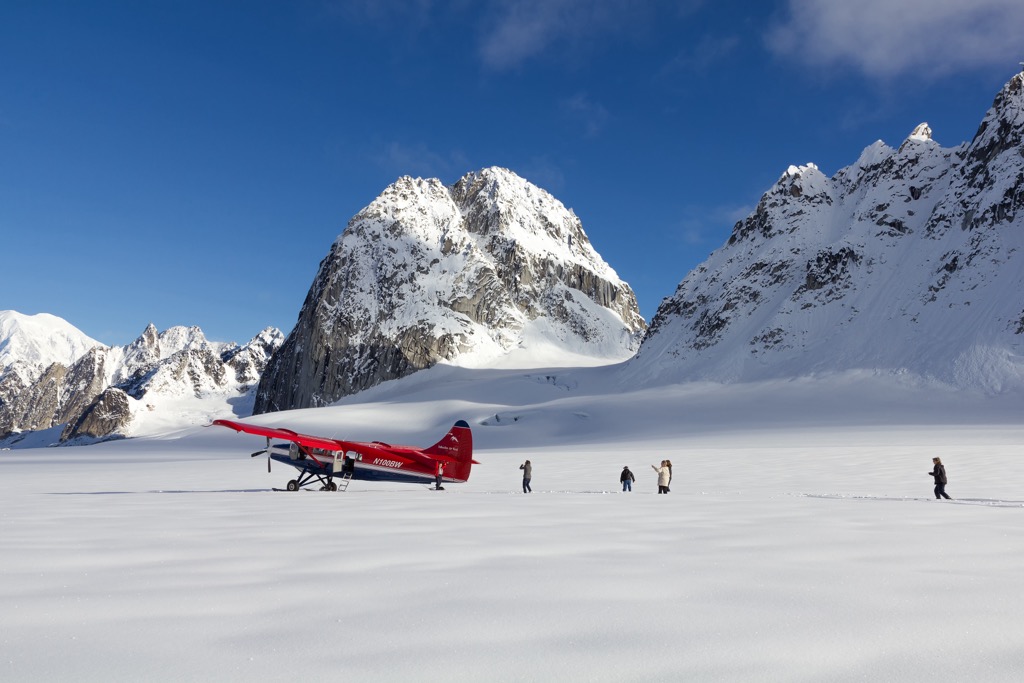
793, 553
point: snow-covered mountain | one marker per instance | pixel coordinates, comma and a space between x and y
488, 269
907, 261
32, 343
174, 378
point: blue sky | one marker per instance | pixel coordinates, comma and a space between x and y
190, 163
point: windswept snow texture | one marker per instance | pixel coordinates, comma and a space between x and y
908, 261
799, 542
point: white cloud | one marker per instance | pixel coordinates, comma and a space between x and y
519, 30
886, 38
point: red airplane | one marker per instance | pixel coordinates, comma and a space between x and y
323, 460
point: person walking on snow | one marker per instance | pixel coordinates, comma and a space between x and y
627, 479
664, 476
939, 472
527, 469
438, 477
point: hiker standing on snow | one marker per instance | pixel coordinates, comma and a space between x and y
939, 472
664, 476
527, 469
627, 479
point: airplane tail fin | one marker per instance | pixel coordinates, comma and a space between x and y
458, 445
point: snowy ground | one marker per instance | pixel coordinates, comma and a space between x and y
799, 543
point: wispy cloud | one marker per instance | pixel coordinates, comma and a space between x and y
542, 172
420, 160
704, 55
417, 12
696, 224
590, 115
511, 33
887, 38
519, 30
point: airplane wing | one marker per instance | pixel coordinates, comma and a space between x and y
285, 435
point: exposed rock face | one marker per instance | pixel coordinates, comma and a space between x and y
108, 414
38, 404
105, 386
429, 273
84, 381
909, 260
12, 385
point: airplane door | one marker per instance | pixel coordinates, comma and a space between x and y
349, 465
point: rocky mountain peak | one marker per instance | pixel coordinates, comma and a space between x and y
908, 261
428, 273
922, 133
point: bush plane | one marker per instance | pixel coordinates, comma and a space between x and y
322, 460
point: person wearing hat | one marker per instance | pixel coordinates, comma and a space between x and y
627, 479
939, 472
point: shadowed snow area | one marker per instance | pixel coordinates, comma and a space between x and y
800, 541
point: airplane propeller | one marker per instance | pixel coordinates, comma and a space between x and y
262, 451
265, 449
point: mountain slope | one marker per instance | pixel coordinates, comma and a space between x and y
40, 340
466, 274
907, 261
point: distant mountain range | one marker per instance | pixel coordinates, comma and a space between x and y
54, 376
908, 261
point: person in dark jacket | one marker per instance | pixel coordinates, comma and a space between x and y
939, 472
627, 479
527, 469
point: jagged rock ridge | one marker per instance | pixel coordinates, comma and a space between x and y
907, 261
99, 393
428, 273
